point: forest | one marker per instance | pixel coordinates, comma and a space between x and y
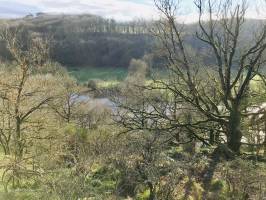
87, 40
97, 109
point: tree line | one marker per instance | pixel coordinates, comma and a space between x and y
87, 40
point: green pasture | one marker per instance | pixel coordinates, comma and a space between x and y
102, 73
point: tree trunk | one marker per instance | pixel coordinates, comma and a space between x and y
264, 153
19, 148
234, 134
5, 147
211, 137
217, 137
152, 191
264, 143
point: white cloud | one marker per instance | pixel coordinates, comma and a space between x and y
255, 10
117, 9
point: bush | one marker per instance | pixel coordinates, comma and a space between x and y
92, 85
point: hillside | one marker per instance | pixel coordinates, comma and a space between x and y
93, 41
88, 40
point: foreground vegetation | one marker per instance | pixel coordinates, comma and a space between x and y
104, 73
197, 132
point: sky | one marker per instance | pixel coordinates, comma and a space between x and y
116, 9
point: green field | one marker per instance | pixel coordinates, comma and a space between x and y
102, 73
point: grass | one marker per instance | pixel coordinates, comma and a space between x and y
108, 84
103, 73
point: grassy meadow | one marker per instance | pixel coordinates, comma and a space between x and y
107, 74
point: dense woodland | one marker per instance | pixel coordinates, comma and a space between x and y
87, 40
187, 123
83, 41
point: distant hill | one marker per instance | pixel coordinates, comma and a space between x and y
89, 40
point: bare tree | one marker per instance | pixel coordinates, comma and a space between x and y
27, 57
205, 99
220, 96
